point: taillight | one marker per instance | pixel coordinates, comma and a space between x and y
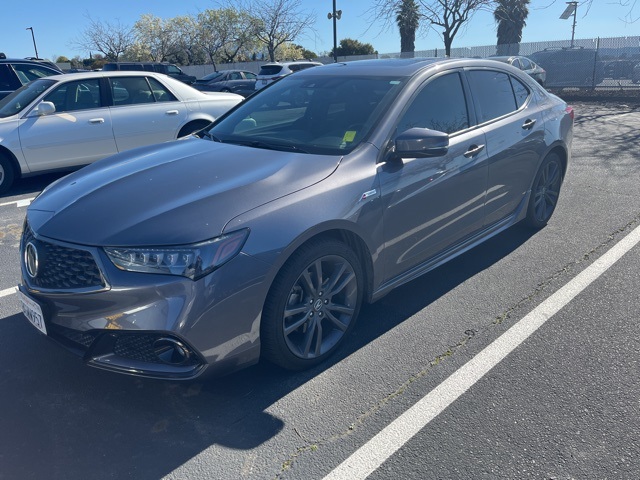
569, 111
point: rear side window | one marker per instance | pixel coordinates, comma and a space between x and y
160, 93
520, 91
131, 91
440, 105
493, 94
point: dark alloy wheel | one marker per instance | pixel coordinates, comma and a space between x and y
312, 305
545, 191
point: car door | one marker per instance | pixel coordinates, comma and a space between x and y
430, 204
514, 131
144, 112
78, 133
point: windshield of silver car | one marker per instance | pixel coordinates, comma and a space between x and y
20, 99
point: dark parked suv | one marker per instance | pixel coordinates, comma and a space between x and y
166, 68
570, 67
16, 72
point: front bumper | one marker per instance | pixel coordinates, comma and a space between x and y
158, 326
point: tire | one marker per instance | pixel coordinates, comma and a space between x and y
545, 191
312, 305
7, 174
193, 127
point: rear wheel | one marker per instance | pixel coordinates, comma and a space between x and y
312, 305
7, 174
545, 191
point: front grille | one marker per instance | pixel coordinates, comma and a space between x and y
62, 268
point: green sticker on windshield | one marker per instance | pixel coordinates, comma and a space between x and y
349, 135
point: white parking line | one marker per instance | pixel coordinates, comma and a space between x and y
8, 291
19, 203
374, 453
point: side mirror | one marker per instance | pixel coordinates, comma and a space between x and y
421, 143
44, 108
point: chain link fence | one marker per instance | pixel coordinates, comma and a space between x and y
596, 63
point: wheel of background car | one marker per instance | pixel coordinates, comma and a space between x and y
193, 127
545, 191
6, 174
312, 305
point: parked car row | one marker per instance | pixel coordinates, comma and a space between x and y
261, 237
69, 120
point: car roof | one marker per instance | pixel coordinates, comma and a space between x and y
45, 63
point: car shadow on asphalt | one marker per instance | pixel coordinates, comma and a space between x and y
62, 419
33, 184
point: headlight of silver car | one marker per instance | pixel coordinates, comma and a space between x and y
192, 261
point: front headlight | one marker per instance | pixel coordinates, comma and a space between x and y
192, 261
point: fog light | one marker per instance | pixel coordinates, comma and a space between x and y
171, 351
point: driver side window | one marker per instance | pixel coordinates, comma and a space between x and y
440, 105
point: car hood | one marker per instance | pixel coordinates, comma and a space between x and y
171, 194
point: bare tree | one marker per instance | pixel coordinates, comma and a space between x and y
279, 22
110, 39
446, 17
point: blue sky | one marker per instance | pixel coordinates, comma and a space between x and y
57, 24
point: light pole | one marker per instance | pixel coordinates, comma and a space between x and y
34, 40
572, 8
336, 15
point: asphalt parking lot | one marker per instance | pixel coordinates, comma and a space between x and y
562, 403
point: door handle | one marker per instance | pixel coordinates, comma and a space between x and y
172, 112
473, 150
528, 124
96, 120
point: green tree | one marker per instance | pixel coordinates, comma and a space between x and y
408, 20
157, 35
348, 47
510, 15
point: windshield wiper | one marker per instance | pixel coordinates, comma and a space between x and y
269, 146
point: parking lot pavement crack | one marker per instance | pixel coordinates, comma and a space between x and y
569, 268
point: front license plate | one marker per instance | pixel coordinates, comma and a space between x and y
33, 312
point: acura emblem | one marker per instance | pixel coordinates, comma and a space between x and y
31, 259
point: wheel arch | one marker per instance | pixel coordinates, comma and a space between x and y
194, 121
8, 154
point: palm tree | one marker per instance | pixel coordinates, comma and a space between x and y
510, 15
408, 19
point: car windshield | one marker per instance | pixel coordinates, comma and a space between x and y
328, 114
20, 99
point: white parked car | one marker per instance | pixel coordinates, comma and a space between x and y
270, 72
67, 121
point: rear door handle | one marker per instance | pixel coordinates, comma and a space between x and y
172, 112
473, 150
96, 120
528, 124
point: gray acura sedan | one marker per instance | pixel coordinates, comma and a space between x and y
263, 237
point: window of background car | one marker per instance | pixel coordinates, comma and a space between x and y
323, 114
20, 99
439, 105
27, 72
130, 90
526, 63
493, 94
160, 92
80, 95
7, 79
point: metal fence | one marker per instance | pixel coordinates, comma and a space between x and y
595, 63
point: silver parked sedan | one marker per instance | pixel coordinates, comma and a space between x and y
67, 121
263, 237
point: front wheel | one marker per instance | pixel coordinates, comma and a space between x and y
312, 305
545, 191
6, 174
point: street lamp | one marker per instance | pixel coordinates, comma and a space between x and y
34, 40
336, 15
